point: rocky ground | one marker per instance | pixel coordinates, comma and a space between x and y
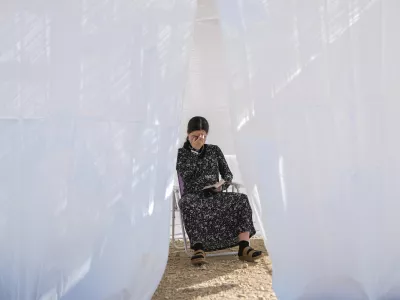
222, 278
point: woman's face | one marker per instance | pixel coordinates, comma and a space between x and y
196, 135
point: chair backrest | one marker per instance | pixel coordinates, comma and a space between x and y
181, 185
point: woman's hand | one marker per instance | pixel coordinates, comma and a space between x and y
197, 141
217, 190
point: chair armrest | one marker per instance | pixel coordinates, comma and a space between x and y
237, 186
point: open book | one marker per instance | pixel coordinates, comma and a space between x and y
215, 185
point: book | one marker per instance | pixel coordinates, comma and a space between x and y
215, 185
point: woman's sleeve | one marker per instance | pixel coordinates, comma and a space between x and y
184, 167
224, 170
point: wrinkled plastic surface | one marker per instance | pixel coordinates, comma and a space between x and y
206, 92
90, 103
315, 106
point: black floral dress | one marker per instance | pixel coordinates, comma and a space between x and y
213, 219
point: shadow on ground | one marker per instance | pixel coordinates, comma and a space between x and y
221, 278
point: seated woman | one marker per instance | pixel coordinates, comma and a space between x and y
213, 220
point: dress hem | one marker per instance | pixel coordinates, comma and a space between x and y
225, 247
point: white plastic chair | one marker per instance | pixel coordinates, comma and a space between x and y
178, 191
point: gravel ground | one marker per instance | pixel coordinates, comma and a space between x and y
222, 278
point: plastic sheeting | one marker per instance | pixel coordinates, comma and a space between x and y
90, 101
89, 122
206, 91
315, 106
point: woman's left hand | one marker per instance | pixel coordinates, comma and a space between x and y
218, 189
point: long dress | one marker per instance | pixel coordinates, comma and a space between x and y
213, 219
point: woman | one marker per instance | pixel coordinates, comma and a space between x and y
213, 220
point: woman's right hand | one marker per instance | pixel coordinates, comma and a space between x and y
197, 141
217, 190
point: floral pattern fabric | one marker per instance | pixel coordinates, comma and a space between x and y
213, 219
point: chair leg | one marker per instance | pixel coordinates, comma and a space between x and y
185, 243
174, 209
173, 218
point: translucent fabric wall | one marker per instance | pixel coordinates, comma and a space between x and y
90, 101
206, 86
315, 105
305, 95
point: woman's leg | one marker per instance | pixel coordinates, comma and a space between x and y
198, 246
244, 236
193, 216
245, 251
199, 256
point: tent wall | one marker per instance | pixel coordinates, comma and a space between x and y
303, 93
90, 101
314, 104
206, 92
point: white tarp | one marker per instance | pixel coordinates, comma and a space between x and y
315, 105
206, 91
90, 101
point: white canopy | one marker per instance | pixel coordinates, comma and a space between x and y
94, 100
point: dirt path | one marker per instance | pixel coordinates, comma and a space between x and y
221, 278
